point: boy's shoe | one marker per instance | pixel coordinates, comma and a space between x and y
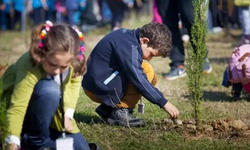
103, 110
124, 117
175, 73
207, 68
94, 146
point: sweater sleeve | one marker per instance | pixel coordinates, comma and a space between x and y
24, 85
131, 65
72, 98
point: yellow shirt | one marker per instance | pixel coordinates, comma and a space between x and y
18, 83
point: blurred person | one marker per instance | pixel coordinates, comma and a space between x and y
244, 16
156, 15
169, 11
142, 9
37, 8
215, 23
118, 9
72, 7
51, 12
1, 5
6, 18
19, 13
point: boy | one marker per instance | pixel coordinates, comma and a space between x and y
117, 77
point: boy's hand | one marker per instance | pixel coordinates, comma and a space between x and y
12, 147
68, 124
171, 110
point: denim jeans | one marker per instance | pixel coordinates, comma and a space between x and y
36, 133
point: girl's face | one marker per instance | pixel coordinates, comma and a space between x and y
57, 63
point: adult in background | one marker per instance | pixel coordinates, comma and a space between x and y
169, 11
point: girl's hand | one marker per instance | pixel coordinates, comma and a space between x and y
12, 147
171, 110
68, 124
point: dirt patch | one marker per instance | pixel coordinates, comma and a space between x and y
227, 130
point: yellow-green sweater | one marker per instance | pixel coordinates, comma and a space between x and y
18, 83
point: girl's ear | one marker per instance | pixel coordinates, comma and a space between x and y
144, 40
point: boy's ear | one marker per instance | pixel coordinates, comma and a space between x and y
144, 40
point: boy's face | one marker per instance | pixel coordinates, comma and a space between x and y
57, 63
148, 52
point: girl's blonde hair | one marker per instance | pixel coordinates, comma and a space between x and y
59, 38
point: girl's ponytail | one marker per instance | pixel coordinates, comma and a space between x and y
47, 39
79, 67
36, 53
79, 62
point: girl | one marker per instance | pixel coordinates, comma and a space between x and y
31, 88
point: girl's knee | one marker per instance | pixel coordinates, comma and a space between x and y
47, 87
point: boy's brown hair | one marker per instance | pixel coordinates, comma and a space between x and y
159, 37
58, 38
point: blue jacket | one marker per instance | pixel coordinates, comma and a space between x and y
114, 61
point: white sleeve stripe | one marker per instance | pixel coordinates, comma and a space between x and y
143, 81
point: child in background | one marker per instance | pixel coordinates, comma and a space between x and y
117, 76
31, 88
237, 73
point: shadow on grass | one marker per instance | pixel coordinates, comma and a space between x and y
220, 97
217, 96
221, 60
224, 97
89, 119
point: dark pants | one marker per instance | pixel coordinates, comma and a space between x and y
6, 21
169, 9
19, 18
38, 15
36, 133
118, 9
70, 16
50, 15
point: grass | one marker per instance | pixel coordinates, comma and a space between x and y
218, 102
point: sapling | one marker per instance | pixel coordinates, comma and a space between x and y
196, 53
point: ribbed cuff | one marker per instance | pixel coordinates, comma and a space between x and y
70, 113
13, 139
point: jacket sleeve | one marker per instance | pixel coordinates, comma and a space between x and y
73, 92
130, 60
20, 98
